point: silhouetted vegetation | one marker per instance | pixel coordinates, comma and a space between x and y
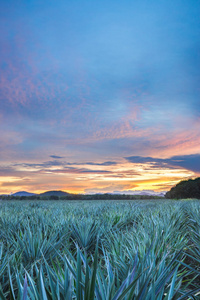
185, 189
48, 196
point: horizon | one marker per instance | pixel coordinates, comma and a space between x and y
100, 96
128, 192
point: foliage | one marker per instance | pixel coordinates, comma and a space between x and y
99, 250
185, 189
59, 195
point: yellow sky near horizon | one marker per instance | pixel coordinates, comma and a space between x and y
123, 176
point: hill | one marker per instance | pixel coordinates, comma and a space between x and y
23, 193
140, 193
54, 193
185, 189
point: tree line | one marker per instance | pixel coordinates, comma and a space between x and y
81, 197
185, 189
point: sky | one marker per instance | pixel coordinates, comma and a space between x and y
99, 96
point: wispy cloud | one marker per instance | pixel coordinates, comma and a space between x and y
56, 156
106, 163
74, 171
55, 162
189, 162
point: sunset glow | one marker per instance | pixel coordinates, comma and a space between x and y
99, 96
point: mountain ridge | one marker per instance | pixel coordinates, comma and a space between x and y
23, 193
62, 193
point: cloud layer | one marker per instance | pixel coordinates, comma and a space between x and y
82, 86
189, 162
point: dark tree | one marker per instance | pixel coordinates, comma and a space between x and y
185, 189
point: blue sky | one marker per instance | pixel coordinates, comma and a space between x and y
95, 82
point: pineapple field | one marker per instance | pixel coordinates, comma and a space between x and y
104, 250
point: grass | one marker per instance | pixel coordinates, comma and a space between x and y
100, 250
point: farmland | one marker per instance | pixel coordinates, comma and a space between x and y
100, 249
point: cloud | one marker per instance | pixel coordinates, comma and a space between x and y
75, 170
46, 164
189, 162
25, 182
56, 156
106, 163
55, 167
109, 188
53, 163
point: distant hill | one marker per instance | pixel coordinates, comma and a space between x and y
141, 193
54, 193
23, 194
185, 189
